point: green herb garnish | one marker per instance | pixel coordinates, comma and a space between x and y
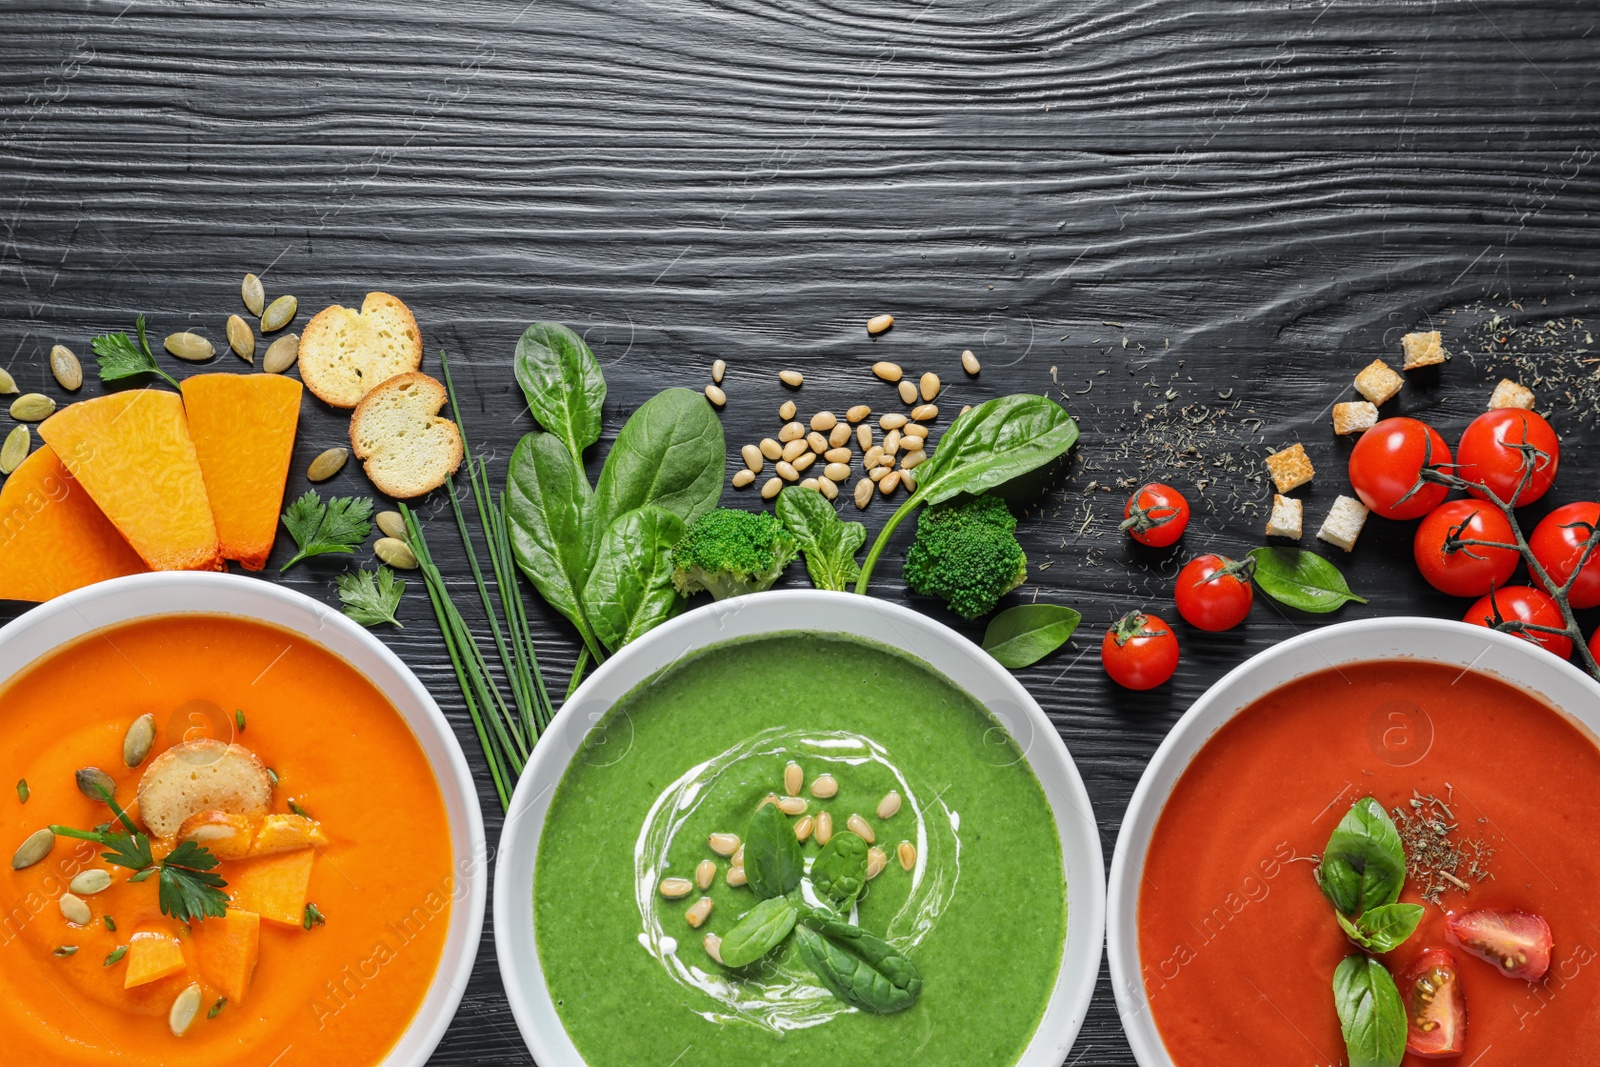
238, 718
1371, 1014
829, 543
839, 873
1364, 865
66, 950
272, 776
111, 924
216, 1009
295, 807
371, 599
120, 358
1027, 633
772, 857
1301, 580
762, 929
116, 956
340, 525
23, 792
859, 968
313, 917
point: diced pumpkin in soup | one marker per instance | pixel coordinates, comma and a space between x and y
226, 949
274, 887
151, 957
286, 833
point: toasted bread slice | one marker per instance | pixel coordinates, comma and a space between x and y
202, 776
396, 429
345, 353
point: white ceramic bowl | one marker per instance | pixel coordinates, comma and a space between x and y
1457, 644
86, 610
844, 613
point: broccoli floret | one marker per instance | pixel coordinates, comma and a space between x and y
966, 554
728, 552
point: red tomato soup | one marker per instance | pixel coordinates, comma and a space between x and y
1239, 946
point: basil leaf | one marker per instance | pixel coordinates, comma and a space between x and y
563, 384
839, 873
761, 930
549, 520
830, 544
772, 859
862, 970
1370, 1013
1364, 865
1028, 633
1383, 929
1302, 580
630, 589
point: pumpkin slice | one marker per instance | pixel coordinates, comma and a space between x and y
151, 957
226, 950
132, 452
286, 833
243, 429
53, 538
225, 835
274, 887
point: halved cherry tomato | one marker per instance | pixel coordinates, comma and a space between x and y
1515, 943
1436, 1009
1386, 467
1465, 570
1525, 603
1139, 651
1557, 544
1155, 515
1497, 444
1214, 592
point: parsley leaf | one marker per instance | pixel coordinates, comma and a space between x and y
339, 525
370, 601
119, 357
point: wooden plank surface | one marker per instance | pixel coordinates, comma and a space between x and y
1190, 222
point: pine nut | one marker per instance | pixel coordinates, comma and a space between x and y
824, 421
889, 482
824, 828
810, 483
837, 471
715, 394
878, 323
724, 844
889, 372
705, 873
792, 805
773, 487
829, 488
889, 806
878, 474
908, 855
738, 857
803, 828
75, 909
817, 442
914, 431
873, 457
969, 362
864, 436
863, 493
912, 458
891, 442
786, 471
892, 421
743, 478
770, 448
770, 798
792, 431
791, 378
825, 786
793, 449
838, 455
876, 862
925, 412
676, 888
929, 386
908, 391
857, 413
713, 946
753, 458
718, 369
839, 435
804, 460
699, 912
736, 877
786, 410
964, 410
908, 481
793, 779
859, 827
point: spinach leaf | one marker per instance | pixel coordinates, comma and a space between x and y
761, 930
1027, 633
630, 589
1384, 928
858, 968
830, 544
563, 384
839, 873
1370, 1013
772, 859
1301, 579
1364, 865
549, 521
988, 446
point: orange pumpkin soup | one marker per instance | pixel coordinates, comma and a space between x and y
337, 862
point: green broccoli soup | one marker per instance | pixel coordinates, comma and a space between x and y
799, 849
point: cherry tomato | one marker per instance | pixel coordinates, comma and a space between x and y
1155, 515
1529, 605
1386, 465
1139, 651
1494, 449
1436, 1009
1515, 943
1465, 570
1557, 544
1214, 593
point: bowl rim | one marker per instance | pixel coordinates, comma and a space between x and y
1218, 706
520, 970
413, 1046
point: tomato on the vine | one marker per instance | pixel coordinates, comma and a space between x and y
1386, 468
1526, 604
1465, 570
1558, 543
1214, 592
1155, 515
1498, 445
1139, 651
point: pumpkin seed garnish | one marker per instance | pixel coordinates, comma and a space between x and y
19, 442
281, 354
396, 553
88, 883
137, 742
189, 346
116, 956
91, 780
65, 950
272, 776
328, 464
184, 1010
31, 407
34, 849
241, 339
255, 297
75, 909
278, 314
65, 366
8, 384
23, 792
391, 524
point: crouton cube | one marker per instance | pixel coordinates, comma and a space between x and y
274, 887
1286, 515
1358, 416
1290, 468
1508, 394
1344, 522
1378, 382
151, 957
226, 949
286, 833
1422, 349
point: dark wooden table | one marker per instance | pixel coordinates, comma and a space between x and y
1191, 222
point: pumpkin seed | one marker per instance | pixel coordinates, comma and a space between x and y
34, 849
255, 297
189, 346
19, 442
136, 743
184, 1011
278, 314
31, 407
91, 780
241, 339
396, 553
65, 366
75, 909
90, 882
8, 384
281, 354
327, 464
878, 323
392, 524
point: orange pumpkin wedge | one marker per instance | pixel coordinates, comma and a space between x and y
53, 538
274, 887
151, 957
243, 428
133, 454
226, 950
